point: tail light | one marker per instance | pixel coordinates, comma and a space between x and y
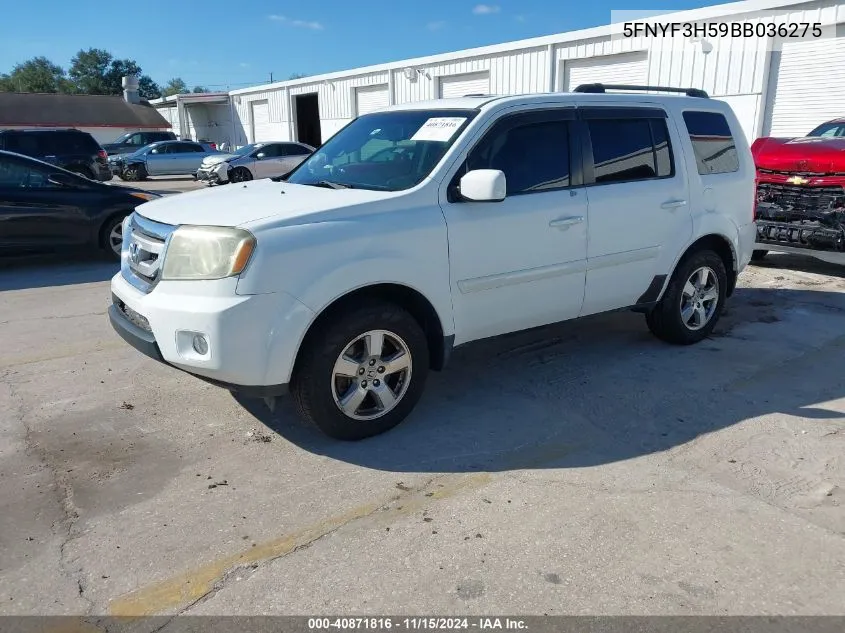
213, 145
102, 154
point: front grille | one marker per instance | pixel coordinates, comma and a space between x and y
801, 198
144, 246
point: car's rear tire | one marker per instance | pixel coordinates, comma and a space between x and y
758, 256
134, 173
693, 301
362, 371
111, 236
240, 174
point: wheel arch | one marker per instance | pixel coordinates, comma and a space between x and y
722, 246
417, 304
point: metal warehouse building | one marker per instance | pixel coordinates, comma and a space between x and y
776, 85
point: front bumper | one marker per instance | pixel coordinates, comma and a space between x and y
252, 339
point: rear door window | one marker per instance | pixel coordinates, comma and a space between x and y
630, 149
712, 142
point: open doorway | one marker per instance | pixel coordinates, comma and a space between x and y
308, 119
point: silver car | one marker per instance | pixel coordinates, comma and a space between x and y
165, 158
257, 160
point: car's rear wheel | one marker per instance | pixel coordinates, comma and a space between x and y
362, 372
111, 237
240, 174
134, 173
693, 301
757, 256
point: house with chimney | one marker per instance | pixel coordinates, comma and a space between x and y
105, 117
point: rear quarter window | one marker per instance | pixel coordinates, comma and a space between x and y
712, 142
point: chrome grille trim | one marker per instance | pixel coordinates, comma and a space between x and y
144, 246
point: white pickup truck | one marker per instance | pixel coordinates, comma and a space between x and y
430, 225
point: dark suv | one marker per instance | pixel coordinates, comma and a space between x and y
133, 141
74, 150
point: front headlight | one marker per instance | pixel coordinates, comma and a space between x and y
207, 252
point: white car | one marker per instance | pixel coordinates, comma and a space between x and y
252, 162
430, 225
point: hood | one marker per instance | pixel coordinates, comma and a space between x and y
240, 204
806, 155
214, 159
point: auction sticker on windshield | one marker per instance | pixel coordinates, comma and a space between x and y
439, 129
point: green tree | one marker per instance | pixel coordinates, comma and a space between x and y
88, 71
200, 89
147, 88
96, 72
297, 76
38, 74
174, 87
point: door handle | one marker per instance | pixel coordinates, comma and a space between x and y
565, 223
673, 204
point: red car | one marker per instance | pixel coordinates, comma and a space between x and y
801, 194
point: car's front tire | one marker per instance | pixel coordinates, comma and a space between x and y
362, 371
693, 301
134, 173
111, 237
240, 174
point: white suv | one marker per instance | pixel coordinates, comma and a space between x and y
430, 225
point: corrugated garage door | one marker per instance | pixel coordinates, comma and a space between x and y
626, 68
462, 85
371, 98
260, 125
806, 86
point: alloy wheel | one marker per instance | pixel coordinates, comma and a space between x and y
699, 298
371, 375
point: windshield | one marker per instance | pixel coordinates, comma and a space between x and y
384, 151
122, 139
829, 129
246, 149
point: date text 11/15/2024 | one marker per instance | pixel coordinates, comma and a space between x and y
416, 624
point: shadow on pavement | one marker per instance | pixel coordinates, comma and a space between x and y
19, 273
800, 263
602, 389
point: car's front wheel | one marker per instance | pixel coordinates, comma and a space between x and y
693, 300
362, 371
240, 174
111, 237
134, 173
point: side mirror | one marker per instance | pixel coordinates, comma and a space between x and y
62, 180
483, 185
260, 155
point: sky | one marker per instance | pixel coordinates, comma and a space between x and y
228, 44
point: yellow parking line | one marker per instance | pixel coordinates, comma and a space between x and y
188, 587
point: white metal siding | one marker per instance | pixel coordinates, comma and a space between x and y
462, 85
260, 128
806, 86
371, 98
518, 72
625, 68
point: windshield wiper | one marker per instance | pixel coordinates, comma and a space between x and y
331, 185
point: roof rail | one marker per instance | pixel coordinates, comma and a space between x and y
600, 88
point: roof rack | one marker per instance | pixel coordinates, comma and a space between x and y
600, 88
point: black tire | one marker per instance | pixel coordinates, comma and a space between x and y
313, 382
665, 320
109, 248
758, 256
240, 174
134, 173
